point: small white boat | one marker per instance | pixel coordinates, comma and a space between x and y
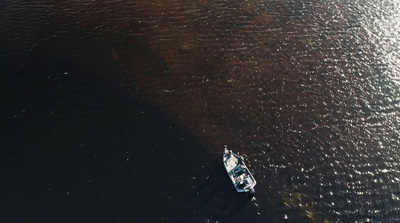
238, 172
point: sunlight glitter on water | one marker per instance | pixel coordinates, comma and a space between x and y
308, 90
383, 28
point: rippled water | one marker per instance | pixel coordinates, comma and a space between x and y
307, 90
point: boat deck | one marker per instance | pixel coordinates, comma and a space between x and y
231, 163
238, 172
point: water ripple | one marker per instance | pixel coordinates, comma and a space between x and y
308, 90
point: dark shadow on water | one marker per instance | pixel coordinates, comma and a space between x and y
78, 148
82, 145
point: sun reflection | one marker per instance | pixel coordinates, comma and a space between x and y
383, 30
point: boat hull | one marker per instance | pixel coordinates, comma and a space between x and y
241, 178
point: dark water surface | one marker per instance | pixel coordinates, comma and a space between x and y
116, 111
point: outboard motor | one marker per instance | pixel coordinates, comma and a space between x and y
250, 193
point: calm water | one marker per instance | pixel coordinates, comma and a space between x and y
117, 111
